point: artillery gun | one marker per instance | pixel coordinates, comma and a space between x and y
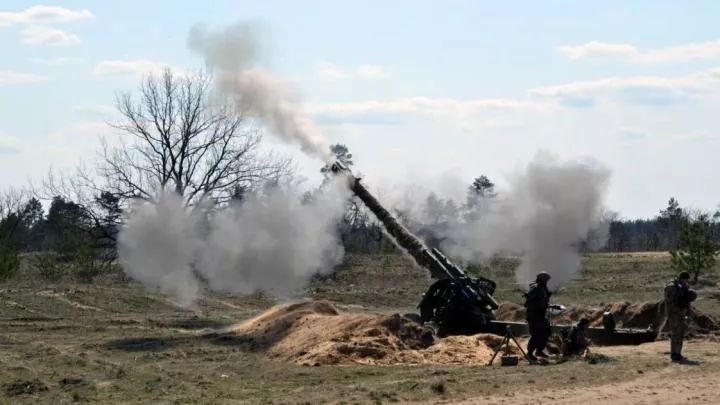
458, 304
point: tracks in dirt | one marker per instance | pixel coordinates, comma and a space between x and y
666, 383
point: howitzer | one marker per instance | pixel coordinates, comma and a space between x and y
457, 304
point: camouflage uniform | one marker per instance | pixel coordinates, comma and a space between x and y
536, 305
677, 310
576, 341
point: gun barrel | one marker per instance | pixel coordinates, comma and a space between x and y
402, 237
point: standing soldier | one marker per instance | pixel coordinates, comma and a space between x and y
678, 297
536, 305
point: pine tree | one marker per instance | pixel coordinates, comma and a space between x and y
697, 250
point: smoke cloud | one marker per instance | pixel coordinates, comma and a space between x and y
230, 52
157, 247
543, 215
274, 240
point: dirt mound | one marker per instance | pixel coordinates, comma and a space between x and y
626, 314
315, 333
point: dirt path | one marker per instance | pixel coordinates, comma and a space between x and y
666, 387
675, 384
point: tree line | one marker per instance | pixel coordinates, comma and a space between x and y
178, 137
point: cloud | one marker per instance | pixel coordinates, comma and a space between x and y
678, 53
36, 35
43, 15
425, 105
52, 62
10, 77
640, 90
78, 139
630, 134
396, 112
695, 135
329, 71
63, 148
359, 118
138, 67
372, 72
596, 49
95, 110
9, 144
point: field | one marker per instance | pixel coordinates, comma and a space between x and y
110, 342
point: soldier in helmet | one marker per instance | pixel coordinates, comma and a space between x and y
576, 342
678, 297
537, 301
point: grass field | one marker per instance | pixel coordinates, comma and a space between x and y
111, 342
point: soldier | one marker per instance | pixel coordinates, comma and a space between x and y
576, 342
536, 303
678, 297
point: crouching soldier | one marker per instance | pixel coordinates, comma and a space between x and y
575, 343
678, 297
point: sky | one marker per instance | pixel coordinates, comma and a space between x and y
413, 88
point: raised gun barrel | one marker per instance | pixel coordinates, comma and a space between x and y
439, 266
397, 231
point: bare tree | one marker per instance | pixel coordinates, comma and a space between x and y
12, 201
98, 205
186, 140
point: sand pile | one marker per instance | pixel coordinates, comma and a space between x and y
626, 314
317, 333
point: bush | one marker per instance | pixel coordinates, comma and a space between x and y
9, 261
48, 265
85, 265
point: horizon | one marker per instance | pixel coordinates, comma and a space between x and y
514, 80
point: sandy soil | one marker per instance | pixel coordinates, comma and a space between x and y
316, 333
674, 384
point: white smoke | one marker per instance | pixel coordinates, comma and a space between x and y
272, 241
158, 244
275, 242
546, 211
229, 52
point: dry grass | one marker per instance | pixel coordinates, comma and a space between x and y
110, 343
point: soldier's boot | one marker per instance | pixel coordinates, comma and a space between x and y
685, 360
677, 357
540, 351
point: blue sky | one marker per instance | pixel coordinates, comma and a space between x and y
413, 88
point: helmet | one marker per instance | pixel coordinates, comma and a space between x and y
543, 276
